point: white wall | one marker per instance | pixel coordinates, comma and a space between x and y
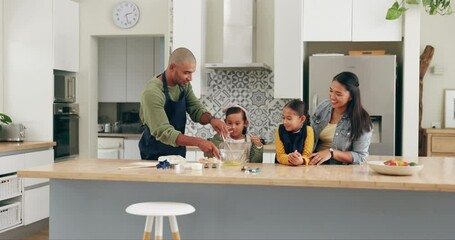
28, 63
95, 21
1, 55
437, 31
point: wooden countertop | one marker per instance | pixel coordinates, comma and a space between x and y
438, 174
121, 135
22, 146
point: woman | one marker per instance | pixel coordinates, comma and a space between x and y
342, 128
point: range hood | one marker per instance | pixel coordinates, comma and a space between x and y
238, 29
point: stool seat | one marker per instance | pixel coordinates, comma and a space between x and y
160, 209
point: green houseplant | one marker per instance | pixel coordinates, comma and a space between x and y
4, 119
432, 7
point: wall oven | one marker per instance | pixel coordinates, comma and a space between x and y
66, 130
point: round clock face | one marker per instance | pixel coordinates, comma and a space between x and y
125, 14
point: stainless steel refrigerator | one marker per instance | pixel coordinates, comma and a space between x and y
377, 78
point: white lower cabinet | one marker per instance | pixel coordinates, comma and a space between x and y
190, 155
26, 197
194, 154
34, 159
131, 150
36, 204
268, 157
110, 148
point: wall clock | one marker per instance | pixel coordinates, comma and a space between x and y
125, 14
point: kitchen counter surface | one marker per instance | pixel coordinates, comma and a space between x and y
23, 146
122, 135
438, 174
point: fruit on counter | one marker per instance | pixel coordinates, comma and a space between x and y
399, 163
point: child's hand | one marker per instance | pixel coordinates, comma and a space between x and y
295, 158
256, 141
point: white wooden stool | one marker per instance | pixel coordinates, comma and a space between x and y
157, 210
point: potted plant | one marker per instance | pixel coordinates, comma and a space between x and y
432, 7
4, 119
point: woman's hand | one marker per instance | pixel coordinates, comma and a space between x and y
295, 158
256, 141
318, 158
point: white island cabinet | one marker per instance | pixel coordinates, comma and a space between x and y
349, 20
89, 196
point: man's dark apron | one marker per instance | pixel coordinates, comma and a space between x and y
151, 148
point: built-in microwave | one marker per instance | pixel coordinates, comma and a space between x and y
64, 87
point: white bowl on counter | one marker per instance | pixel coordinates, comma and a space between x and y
379, 167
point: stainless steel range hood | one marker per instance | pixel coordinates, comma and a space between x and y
238, 35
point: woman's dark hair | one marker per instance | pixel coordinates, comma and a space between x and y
359, 117
299, 107
233, 110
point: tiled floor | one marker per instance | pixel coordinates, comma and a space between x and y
35, 231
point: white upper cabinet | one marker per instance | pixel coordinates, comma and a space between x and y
349, 20
327, 20
66, 35
189, 31
139, 66
125, 65
369, 23
112, 70
288, 49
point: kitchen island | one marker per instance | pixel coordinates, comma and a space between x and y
89, 197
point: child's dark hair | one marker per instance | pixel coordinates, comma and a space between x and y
233, 110
299, 107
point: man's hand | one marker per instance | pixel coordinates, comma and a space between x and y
220, 127
208, 147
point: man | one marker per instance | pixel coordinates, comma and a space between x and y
165, 101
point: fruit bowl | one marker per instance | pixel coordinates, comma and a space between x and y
379, 167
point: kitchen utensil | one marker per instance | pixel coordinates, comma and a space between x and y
14, 132
107, 127
116, 127
140, 165
225, 142
100, 127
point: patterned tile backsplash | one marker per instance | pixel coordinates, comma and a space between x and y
252, 89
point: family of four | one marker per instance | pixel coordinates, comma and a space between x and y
339, 132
